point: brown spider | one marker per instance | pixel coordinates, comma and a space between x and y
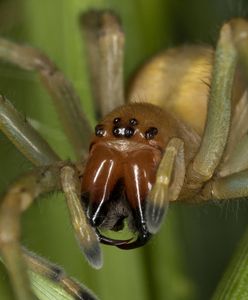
179, 145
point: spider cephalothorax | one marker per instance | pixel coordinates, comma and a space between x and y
121, 169
124, 155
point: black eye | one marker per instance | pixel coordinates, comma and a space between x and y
151, 132
123, 131
116, 121
133, 122
117, 131
129, 131
99, 130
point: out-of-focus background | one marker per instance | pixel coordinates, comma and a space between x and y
186, 259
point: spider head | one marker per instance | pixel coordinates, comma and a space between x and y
120, 171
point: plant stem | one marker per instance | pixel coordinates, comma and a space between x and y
234, 283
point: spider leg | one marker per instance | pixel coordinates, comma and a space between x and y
232, 178
168, 184
18, 198
24, 136
105, 50
37, 265
240, 39
219, 111
65, 99
229, 187
235, 156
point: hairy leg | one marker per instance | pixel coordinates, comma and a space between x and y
219, 111
105, 50
17, 199
26, 139
240, 39
40, 268
229, 187
20, 195
65, 98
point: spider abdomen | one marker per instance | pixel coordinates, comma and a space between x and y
178, 80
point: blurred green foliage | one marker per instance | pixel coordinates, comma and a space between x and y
187, 258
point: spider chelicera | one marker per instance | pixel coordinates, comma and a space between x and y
186, 142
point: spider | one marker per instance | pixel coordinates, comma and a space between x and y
186, 141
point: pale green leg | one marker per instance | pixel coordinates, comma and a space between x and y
240, 39
17, 199
230, 187
65, 98
105, 52
56, 281
219, 111
33, 146
26, 139
234, 185
21, 195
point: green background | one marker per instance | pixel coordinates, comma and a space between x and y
187, 257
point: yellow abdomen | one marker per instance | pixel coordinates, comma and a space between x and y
177, 80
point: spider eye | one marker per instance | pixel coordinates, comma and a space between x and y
133, 122
151, 132
123, 131
116, 121
99, 130
129, 131
117, 131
